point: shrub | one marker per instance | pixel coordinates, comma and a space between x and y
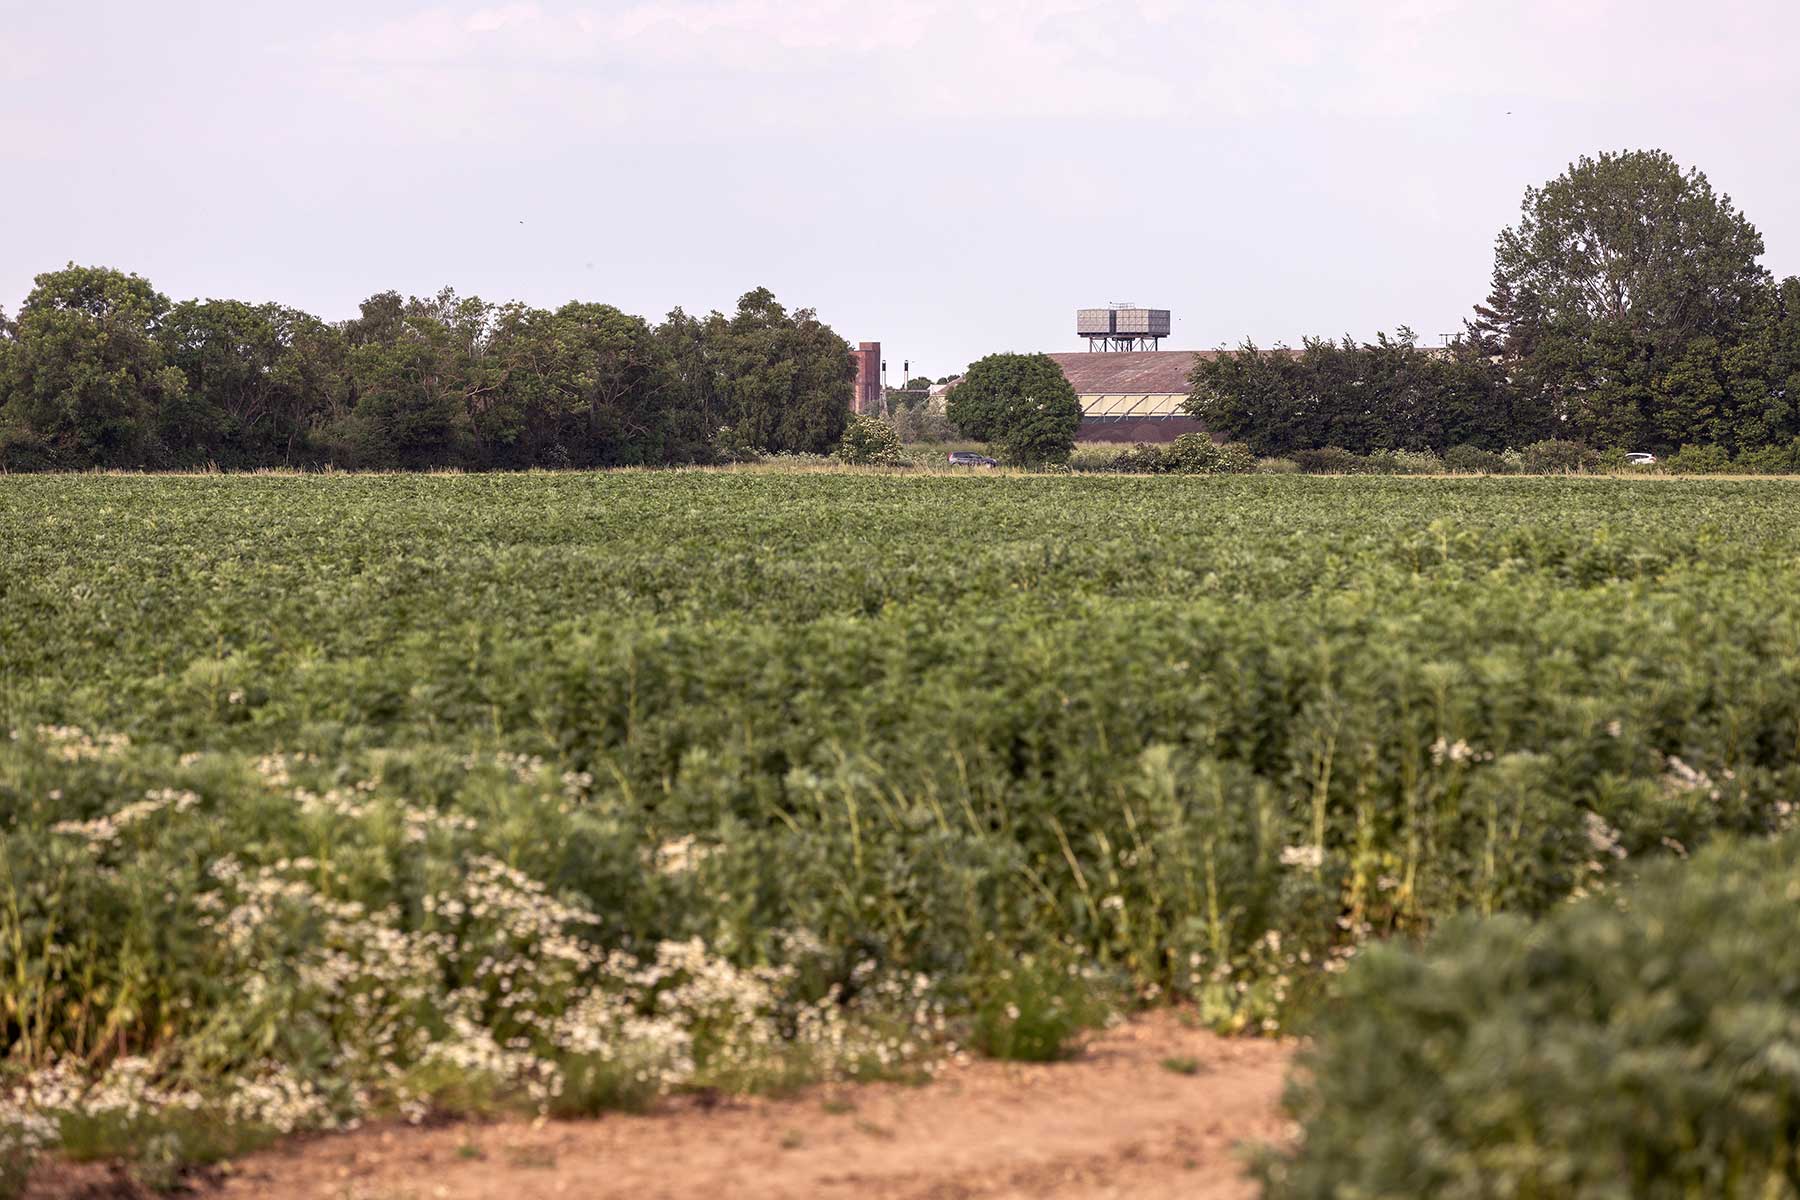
23, 450
1473, 460
1379, 462
1097, 457
730, 446
1640, 1044
1699, 460
870, 442
1330, 460
1189, 454
1417, 462
1141, 459
923, 423
1277, 466
1771, 460
1553, 456
1197, 454
1031, 1011
1235, 458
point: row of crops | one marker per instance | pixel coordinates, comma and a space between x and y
333, 796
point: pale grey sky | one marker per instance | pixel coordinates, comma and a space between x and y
951, 177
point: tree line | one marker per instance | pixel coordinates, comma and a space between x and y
1628, 309
101, 370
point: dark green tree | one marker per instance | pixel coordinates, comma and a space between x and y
1762, 375
582, 386
783, 381
612, 378
262, 380
1614, 268
1388, 394
102, 370
1739, 395
1254, 396
1782, 363
417, 372
84, 379
689, 353
1690, 402
1478, 406
380, 319
1021, 403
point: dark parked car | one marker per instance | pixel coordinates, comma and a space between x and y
968, 458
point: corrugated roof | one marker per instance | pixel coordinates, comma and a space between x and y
1150, 383
1121, 372
1147, 371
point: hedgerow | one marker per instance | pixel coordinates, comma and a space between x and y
1644, 1043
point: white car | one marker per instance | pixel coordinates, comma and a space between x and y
1640, 459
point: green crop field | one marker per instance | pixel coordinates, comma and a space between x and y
333, 795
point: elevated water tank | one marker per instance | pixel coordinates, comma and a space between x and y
1122, 327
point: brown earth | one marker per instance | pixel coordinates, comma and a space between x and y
1126, 1118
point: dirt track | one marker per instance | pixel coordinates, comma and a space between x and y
1116, 1122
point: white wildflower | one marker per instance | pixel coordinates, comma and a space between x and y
1309, 858
1443, 751
1603, 838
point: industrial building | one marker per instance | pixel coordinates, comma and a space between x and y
1131, 389
866, 398
1132, 395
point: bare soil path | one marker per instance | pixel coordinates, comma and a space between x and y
1118, 1121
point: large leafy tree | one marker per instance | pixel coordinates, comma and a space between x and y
1253, 396
1742, 393
784, 381
1782, 362
418, 369
689, 352
1022, 403
1614, 268
583, 386
262, 379
83, 377
611, 380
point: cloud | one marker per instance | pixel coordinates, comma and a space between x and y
492, 20
795, 65
776, 64
787, 29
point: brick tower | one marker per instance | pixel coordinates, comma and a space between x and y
867, 397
